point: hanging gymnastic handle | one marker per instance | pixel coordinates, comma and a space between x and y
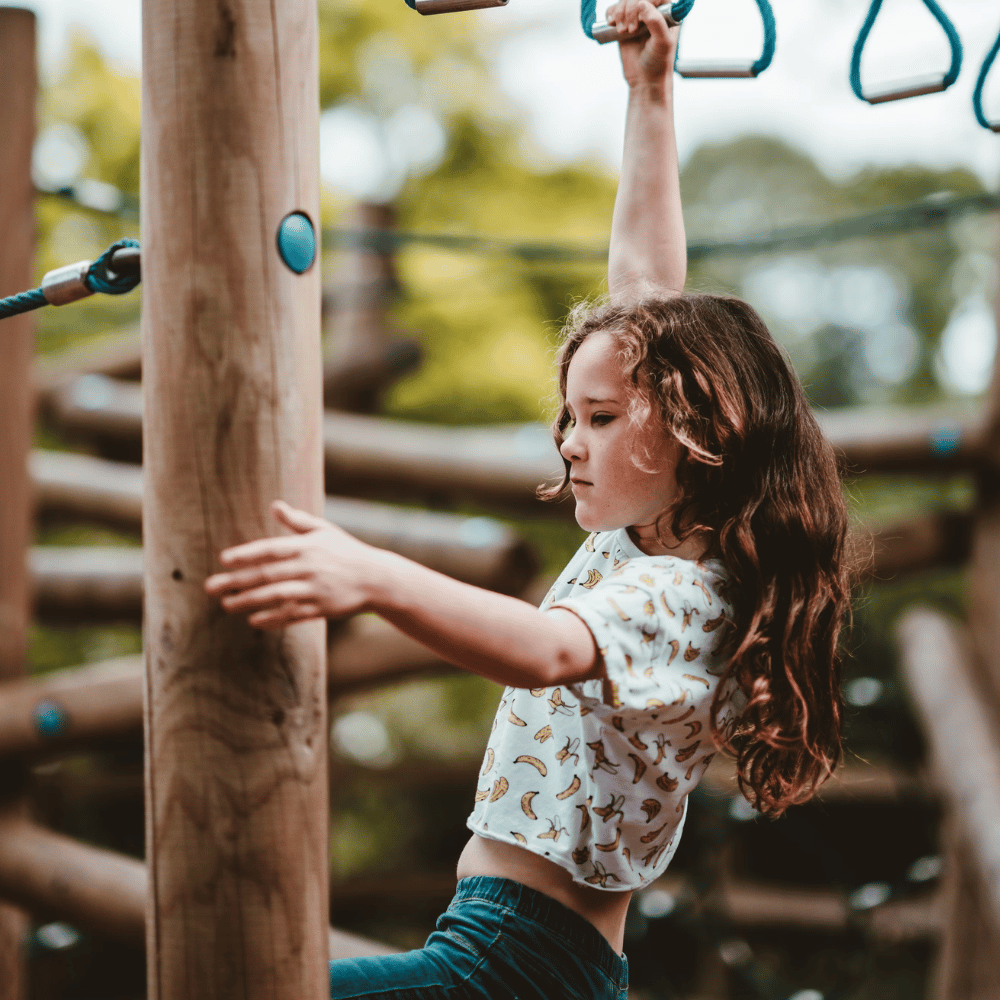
451, 6
601, 31
731, 71
977, 94
906, 88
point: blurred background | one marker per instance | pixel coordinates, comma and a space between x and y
469, 166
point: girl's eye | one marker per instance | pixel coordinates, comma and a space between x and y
601, 419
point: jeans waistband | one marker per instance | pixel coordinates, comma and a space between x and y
579, 932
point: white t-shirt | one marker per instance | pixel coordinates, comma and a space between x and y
595, 775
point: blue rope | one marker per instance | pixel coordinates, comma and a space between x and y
100, 279
24, 302
588, 12
977, 94
770, 37
949, 29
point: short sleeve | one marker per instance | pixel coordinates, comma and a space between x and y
659, 630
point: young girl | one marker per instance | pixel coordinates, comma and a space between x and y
702, 611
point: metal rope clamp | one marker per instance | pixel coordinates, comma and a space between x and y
69, 284
451, 6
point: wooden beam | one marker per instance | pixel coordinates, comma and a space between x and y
503, 464
105, 583
925, 542
79, 705
748, 904
912, 439
17, 126
236, 730
57, 877
87, 583
355, 365
936, 658
479, 550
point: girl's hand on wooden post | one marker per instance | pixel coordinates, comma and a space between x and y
650, 59
318, 572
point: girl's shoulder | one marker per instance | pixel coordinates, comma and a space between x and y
609, 560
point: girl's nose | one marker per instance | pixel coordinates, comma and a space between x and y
571, 449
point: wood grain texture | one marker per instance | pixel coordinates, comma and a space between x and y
937, 662
17, 126
968, 961
98, 890
236, 740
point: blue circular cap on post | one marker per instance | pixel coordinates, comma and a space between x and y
297, 242
50, 718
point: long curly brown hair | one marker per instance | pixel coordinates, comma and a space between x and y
759, 479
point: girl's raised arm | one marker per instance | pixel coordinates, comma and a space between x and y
648, 247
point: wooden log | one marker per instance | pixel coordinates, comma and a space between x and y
105, 583
236, 731
17, 126
894, 439
101, 891
87, 583
504, 463
77, 705
965, 751
943, 539
358, 361
479, 550
749, 904
68, 707
118, 355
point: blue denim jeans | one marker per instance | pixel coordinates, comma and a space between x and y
498, 940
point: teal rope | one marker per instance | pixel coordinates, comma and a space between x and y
99, 279
977, 95
23, 302
588, 12
770, 38
949, 29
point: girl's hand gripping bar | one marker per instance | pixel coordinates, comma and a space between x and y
450, 6
603, 32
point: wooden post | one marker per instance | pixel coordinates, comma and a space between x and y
236, 724
17, 126
968, 955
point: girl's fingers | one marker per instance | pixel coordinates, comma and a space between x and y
267, 596
654, 21
286, 614
299, 521
255, 576
261, 550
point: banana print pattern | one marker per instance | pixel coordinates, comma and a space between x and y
595, 775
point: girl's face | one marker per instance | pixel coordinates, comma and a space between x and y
610, 490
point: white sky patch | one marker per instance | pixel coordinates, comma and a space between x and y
965, 358
574, 97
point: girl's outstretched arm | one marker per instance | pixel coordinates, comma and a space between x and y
323, 572
648, 247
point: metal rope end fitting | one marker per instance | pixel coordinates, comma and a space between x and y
450, 6
66, 284
603, 32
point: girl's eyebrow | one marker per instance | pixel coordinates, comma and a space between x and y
597, 402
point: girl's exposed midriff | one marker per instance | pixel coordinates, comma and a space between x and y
605, 910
